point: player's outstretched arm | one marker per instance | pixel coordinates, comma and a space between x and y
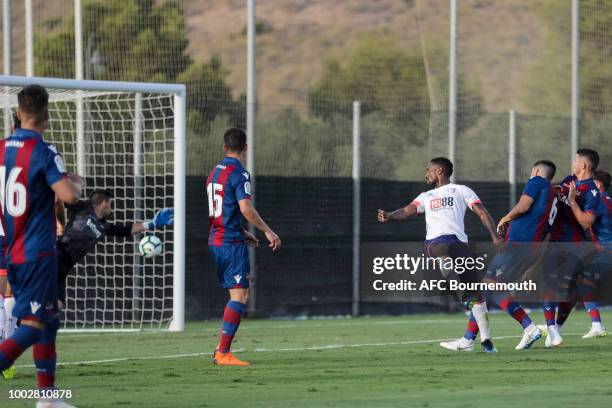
400, 214
69, 189
162, 218
481, 211
585, 219
519, 209
250, 213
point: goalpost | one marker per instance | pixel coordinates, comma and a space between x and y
128, 138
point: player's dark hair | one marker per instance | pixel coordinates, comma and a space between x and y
16, 121
235, 140
550, 167
97, 197
447, 165
591, 155
33, 100
603, 177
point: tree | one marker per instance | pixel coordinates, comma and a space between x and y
380, 74
209, 94
137, 40
392, 82
550, 80
146, 41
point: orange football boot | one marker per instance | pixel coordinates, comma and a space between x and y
228, 359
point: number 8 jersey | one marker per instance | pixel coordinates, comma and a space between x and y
444, 209
227, 184
28, 167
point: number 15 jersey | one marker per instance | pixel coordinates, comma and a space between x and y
444, 209
227, 184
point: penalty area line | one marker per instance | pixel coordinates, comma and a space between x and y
264, 350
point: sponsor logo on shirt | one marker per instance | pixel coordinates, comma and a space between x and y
92, 226
440, 203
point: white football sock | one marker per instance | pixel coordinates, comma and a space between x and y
480, 314
10, 322
2, 318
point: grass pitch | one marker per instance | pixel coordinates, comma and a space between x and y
365, 362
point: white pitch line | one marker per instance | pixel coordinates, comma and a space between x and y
263, 350
331, 324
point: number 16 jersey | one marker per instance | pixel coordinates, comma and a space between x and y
28, 167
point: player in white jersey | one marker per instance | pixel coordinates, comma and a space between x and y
444, 208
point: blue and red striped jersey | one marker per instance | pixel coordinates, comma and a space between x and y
602, 228
566, 228
28, 168
227, 184
2, 252
533, 226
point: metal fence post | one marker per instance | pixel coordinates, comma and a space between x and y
512, 157
250, 107
356, 204
452, 87
575, 78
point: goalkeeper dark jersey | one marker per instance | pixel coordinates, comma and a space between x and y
84, 230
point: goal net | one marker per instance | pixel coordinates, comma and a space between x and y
128, 138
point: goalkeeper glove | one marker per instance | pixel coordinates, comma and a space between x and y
162, 218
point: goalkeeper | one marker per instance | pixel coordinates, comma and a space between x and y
88, 224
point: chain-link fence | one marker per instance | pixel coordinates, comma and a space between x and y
313, 59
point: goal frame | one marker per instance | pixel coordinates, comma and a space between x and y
179, 92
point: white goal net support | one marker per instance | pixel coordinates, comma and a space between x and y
128, 138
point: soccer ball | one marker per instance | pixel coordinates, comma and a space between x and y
150, 246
